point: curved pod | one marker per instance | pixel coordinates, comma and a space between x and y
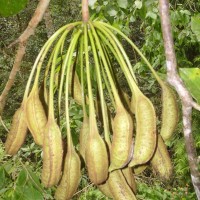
122, 142
52, 154
145, 141
96, 157
17, 133
169, 113
161, 161
70, 178
36, 116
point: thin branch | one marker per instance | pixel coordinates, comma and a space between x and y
85, 11
22, 40
11, 79
3, 124
196, 106
37, 17
48, 23
186, 98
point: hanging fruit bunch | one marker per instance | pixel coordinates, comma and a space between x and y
110, 155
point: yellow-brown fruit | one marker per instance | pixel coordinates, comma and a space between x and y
70, 178
132, 105
17, 133
36, 116
104, 188
119, 187
145, 141
130, 179
52, 154
161, 161
83, 136
139, 169
122, 142
96, 156
169, 112
126, 99
76, 89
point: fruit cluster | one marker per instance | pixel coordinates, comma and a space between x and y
77, 63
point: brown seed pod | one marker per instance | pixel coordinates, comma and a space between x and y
75, 88
140, 168
130, 179
145, 141
96, 156
52, 154
119, 187
105, 189
17, 133
122, 142
169, 112
132, 105
70, 178
83, 136
161, 161
36, 117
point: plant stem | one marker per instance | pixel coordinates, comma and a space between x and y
186, 98
100, 86
85, 11
112, 84
68, 63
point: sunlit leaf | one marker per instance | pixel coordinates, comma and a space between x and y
123, 3
191, 78
138, 4
92, 2
22, 178
195, 25
111, 10
11, 7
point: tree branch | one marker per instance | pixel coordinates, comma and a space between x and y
85, 11
186, 98
48, 23
37, 17
22, 40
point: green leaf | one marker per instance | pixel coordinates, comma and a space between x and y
22, 178
34, 179
91, 3
2, 177
138, 4
31, 193
123, 3
191, 78
111, 10
195, 26
11, 7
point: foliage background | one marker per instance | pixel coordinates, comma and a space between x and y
139, 19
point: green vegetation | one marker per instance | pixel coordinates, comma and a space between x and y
20, 174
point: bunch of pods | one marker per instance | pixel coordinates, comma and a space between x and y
76, 62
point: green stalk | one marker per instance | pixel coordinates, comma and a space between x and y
104, 39
68, 63
112, 84
92, 117
122, 63
105, 50
137, 50
46, 75
100, 86
40, 58
82, 76
51, 87
62, 80
120, 47
107, 85
62, 41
